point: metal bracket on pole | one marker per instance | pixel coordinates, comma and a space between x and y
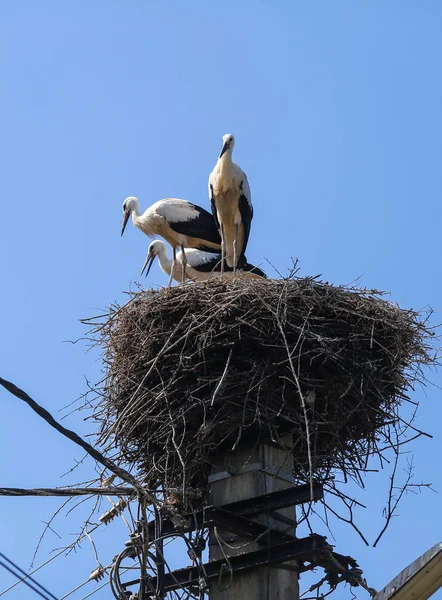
218, 517
250, 468
267, 503
309, 548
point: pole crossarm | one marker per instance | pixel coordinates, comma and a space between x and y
311, 552
302, 549
273, 501
218, 517
267, 503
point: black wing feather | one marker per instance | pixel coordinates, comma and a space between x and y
202, 227
255, 270
214, 211
246, 212
213, 264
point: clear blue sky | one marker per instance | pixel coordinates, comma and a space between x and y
336, 109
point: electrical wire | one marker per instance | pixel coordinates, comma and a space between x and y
74, 437
103, 585
118, 588
62, 551
47, 595
159, 548
92, 491
22, 580
75, 589
83, 584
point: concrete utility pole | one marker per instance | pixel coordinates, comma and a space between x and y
239, 475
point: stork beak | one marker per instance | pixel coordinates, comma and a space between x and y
224, 148
148, 263
125, 219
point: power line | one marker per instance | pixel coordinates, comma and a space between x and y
97, 589
62, 551
74, 437
2, 564
59, 553
47, 594
102, 491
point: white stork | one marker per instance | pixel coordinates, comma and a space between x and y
201, 265
181, 223
231, 202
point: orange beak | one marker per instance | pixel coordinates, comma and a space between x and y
125, 220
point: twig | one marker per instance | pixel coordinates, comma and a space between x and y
223, 376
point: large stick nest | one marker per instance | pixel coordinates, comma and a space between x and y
197, 370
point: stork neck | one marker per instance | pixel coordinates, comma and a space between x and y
226, 158
164, 260
135, 215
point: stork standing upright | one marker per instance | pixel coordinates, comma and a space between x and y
201, 265
179, 222
231, 202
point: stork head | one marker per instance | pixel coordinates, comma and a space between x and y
130, 205
155, 248
228, 143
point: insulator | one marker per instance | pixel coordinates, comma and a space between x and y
97, 574
108, 516
113, 512
192, 554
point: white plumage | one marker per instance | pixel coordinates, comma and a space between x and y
231, 202
201, 265
179, 222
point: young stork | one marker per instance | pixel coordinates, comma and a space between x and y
201, 265
231, 202
181, 223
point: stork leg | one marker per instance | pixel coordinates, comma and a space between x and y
223, 250
172, 268
184, 263
235, 259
